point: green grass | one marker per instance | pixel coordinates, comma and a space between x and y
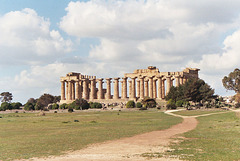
27, 135
215, 138
197, 112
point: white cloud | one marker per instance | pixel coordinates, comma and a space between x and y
27, 39
168, 34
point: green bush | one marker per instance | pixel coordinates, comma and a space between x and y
38, 106
171, 106
70, 109
79, 104
149, 102
130, 104
179, 103
16, 105
138, 105
95, 105
29, 106
55, 106
5, 106
63, 106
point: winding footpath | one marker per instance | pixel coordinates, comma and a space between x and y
131, 148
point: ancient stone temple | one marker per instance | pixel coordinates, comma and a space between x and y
134, 86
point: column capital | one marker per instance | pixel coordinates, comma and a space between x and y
99, 79
108, 79
177, 76
141, 77
124, 78
133, 78
160, 76
116, 78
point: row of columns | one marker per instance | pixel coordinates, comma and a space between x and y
153, 87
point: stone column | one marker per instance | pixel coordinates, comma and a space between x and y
184, 80
154, 88
172, 82
181, 80
100, 88
151, 87
163, 88
69, 90
73, 90
63, 90
124, 88
141, 87
159, 87
77, 90
146, 88
108, 94
85, 89
133, 87
138, 88
168, 84
93, 89
116, 88
177, 80
130, 88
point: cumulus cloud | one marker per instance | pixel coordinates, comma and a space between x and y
27, 38
169, 34
228, 59
152, 31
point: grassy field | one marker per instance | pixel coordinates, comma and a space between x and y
215, 138
197, 112
27, 135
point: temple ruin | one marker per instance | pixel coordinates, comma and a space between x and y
134, 86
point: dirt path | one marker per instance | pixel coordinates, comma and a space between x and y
130, 148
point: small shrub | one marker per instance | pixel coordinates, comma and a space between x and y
179, 103
55, 111
149, 102
95, 105
55, 106
79, 104
159, 107
63, 106
138, 105
171, 106
70, 109
76, 120
130, 104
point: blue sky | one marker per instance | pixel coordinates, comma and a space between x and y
43, 40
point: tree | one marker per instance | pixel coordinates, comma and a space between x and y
44, 100
16, 105
79, 104
28, 106
6, 96
232, 81
195, 90
5, 106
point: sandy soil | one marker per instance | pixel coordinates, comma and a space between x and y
130, 148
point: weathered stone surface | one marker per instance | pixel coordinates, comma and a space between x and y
143, 82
